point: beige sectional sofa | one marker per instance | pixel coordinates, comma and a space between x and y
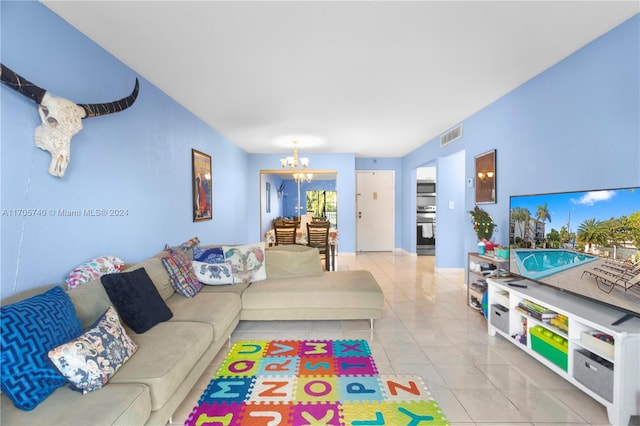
172, 355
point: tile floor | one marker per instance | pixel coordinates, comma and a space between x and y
427, 329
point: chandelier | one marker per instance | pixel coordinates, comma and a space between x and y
298, 165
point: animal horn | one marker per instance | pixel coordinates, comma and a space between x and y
94, 110
21, 85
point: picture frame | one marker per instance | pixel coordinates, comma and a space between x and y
486, 177
268, 197
201, 179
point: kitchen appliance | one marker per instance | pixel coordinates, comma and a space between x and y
426, 203
426, 187
426, 218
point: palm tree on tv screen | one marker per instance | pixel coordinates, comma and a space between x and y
590, 232
542, 213
521, 216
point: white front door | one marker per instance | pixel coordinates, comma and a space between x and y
375, 201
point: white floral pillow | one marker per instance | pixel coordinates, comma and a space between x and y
247, 262
213, 273
94, 269
91, 359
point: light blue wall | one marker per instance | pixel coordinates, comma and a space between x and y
138, 160
276, 203
573, 127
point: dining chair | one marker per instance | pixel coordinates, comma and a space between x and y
318, 237
285, 234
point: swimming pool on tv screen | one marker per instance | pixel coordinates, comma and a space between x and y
541, 263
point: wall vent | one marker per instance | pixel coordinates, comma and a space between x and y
452, 135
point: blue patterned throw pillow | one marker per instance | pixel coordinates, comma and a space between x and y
213, 273
90, 360
30, 328
208, 255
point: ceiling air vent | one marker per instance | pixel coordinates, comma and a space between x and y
452, 135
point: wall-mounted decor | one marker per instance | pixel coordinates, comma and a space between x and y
486, 178
60, 117
268, 196
201, 182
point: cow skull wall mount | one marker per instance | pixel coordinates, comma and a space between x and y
61, 118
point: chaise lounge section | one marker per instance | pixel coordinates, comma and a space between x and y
173, 354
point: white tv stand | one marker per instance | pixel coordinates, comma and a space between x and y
613, 379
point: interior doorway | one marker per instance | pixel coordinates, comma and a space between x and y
375, 210
280, 198
426, 211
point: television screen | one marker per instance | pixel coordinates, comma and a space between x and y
585, 243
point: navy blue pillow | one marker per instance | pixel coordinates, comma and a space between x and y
30, 329
136, 299
209, 255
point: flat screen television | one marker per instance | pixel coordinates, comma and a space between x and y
554, 238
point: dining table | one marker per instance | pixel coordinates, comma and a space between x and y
301, 238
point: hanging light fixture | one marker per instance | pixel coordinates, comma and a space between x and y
297, 164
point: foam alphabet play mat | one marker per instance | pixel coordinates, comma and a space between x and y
311, 382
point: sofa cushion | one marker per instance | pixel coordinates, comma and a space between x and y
213, 273
115, 404
136, 299
208, 254
338, 291
217, 309
282, 263
94, 268
89, 361
183, 279
30, 328
166, 354
247, 262
158, 274
91, 301
236, 288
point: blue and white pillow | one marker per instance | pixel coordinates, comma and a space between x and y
90, 360
209, 255
213, 273
30, 329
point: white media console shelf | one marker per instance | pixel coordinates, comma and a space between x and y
581, 344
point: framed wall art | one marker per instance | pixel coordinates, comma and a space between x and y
486, 178
201, 183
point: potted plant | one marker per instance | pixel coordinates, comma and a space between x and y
483, 224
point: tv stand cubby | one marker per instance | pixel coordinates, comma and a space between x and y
573, 336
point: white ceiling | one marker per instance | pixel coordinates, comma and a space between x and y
374, 78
